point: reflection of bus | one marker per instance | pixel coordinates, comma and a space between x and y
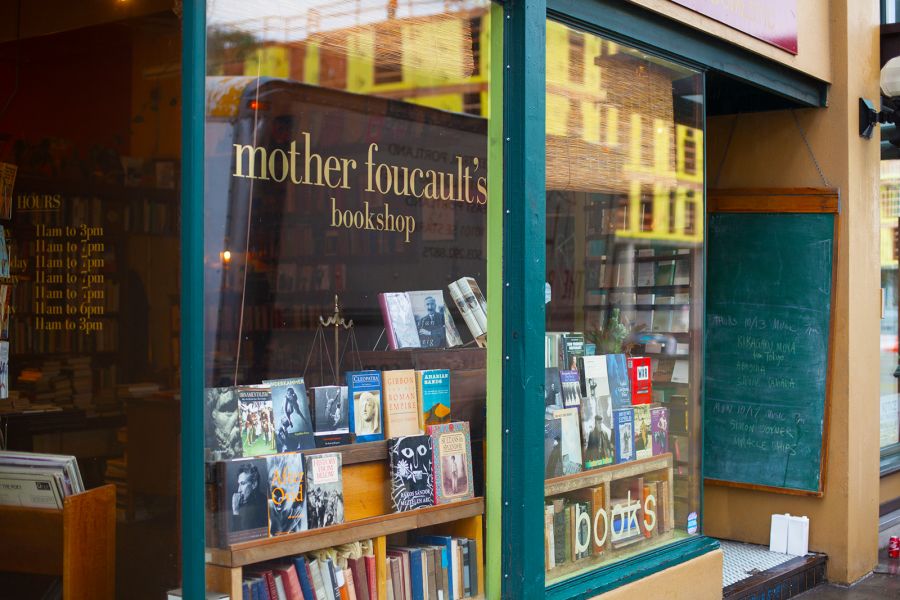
312, 192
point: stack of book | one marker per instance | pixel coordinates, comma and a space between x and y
78, 370
38, 480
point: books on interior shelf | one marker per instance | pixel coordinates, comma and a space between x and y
659, 427
364, 390
643, 438
331, 416
401, 407
290, 406
552, 447
412, 472
324, 490
242, 502
256, 418
433, 390
435, 566
623, 434
552, 387
418, 319
286, 493
472, 306
451, 445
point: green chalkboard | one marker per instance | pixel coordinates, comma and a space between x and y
768, 317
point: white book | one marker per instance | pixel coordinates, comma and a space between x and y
30, 488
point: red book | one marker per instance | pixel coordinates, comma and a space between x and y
370, 578
291, 582
641, 382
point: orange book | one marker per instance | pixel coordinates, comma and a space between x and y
401, 406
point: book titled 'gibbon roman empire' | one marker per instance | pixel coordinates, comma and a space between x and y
401, 407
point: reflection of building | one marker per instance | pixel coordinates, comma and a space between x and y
890, 213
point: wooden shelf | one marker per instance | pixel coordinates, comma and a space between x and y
644, 289
593, 477
247, 553
354, 454
609, 555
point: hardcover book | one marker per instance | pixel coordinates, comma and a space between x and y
324, 490
659, 427
286, 493
364, 390
552, 387
470, 302
570, 432
598, 503
332, 416
581, 530
222, 424
401, 407
623, 418
552, 447
571, 388
256, 418
452, 450
596, 413
572, 350
293, 424
641, 382
412, 480
399, 323
434, 322
433, 390
242, 499
619, 386
643, 434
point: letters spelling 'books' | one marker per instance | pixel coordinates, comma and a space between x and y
452, 450
641, 382
242, 499
619, 386
332, 416
624, 434
223, 425
433, 387
324, 490
287, 493
256, 417
571, 388
364, 390
659, 426
643, 438
401, 407
290, 406
412, 480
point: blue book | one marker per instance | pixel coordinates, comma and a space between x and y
303, 575
433, 387
366, 420
332, 574
623, 420
619, 384
446, 545
415, 574
245, 591
260, 590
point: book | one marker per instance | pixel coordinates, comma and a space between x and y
452, 457
371, 577
649, 507
364, 392
549, 554
256, 418
617, 375
553, 466
560, 548
571, 388
401, 407
623, 418
681, 372
659, 427
572, 346
552, 387
639, 378
7, 183
434, 322
331, 417
324, 490
399, 323
321, 587
596, 413
598, 505
241, 484
433, 391
286, 496
570, 434
446, 544
303, 574
222, 425
412, 475
358, 567
643, 433
466, 572
471, 304
581, 530
290, 406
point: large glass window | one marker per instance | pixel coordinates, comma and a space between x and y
625, 238
890, 371
345, 250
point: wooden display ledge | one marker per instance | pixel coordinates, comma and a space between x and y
354, 454
248, 553
592, 477
609, 556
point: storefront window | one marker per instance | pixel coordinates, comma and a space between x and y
345, 290
890, 215
625, 239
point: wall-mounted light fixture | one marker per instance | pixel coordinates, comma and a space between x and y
890, 101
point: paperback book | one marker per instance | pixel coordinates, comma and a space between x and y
293, 424
470, 302
433, 388
452, 450
552, 387
364, 389
242, 502
222, 425
624, 434
643, 434
256, 418
412, 474
325, 490
286, 493
619, 386
418, 319
639, 377
552, 447
570, 434
401, 407
659, 425
571, 388
332, 416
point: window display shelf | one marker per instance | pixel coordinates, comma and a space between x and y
593, 477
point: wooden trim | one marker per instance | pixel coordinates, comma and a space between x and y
765, 200
764, 488
757, 586
592, 477
247, 553
353, 454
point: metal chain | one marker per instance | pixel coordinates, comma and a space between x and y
809, 149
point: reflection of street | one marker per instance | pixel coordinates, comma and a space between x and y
888, 365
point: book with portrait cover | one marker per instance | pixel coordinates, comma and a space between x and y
434, 322
643, 438
331, 418
412, 472
571, 388
401, 406
243, 509
399, 323
324, 490
451, 445
470, 302
222, 424
572, 347
552, 387
433, 390
293, 423
623, 418
552, 447
256, 418
286, 493
619, 385
570, 434
659, 426
364, 390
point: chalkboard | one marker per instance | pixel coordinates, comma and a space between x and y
768, 326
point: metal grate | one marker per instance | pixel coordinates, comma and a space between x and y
741, 561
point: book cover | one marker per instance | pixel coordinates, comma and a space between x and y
553, 466
331, 418
572, 350
659, 428
290, 406
467, 296
552, 387
324, 490
596, 413
286, 493
303, 575
242, 500
643, 433
452, 451
364, 389
598, 504
399, 322
549, 542
412, 475
401, 407
640, 380
256, 418
433, 390
571, 388
570, 432
560, 550
619, 386
581, 538
434, 323
624, 434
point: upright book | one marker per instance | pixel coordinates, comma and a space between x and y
659, 426
256, 417
639, 377
552, 387
364, 389
596, 413
242, 499
293, 424
418, 319
619, 385
624, 434
332, 416
401, 407
452, 450
470, 302
286, 493
643, 438
412, 473
222, 424
325, 490
570, 434
433, 391
552, 447
571, 388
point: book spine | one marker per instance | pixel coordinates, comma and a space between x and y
467, 315
371, 579
388, 325
473, 566
466, 289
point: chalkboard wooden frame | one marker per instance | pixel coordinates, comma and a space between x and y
790, 200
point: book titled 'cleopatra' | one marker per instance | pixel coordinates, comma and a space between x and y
433, 387
364, 389
623, 419
401, 407
452, 450
412, 481
286, 493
